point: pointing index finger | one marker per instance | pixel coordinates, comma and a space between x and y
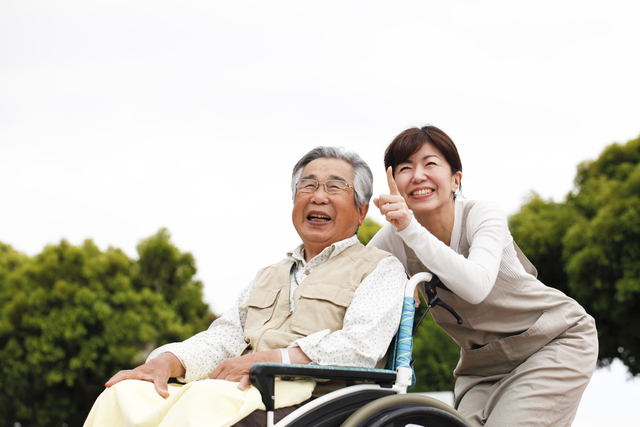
393, 188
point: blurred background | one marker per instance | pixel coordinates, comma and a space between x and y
166, 132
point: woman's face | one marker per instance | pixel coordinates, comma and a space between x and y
425, 180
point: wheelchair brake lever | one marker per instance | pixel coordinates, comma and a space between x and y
438, 301
434, 299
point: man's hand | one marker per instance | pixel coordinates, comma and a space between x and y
393, 206
158, 371
237, 368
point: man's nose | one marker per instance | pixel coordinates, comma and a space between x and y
320, 196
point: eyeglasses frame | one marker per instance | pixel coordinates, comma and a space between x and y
326, 189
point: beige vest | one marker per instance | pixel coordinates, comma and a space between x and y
515, 320
321, 300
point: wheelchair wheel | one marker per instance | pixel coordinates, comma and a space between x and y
406, 410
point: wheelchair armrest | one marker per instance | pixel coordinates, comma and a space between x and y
263, 376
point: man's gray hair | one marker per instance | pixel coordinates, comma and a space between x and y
362, 176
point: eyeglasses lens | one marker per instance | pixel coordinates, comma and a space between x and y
331, 186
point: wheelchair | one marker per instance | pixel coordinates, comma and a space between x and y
378, 397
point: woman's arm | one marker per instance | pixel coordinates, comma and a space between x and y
470, 278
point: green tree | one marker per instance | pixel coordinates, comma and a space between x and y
589, 246
162, 268
538, 229
435, 353
72, 316
367, 230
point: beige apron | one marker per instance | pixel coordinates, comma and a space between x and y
516, 320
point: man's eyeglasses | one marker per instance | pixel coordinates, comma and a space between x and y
331, 186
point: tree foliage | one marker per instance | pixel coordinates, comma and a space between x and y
435, 353
589, 246
367, 230
72, 316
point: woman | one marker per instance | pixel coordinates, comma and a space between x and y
527, 350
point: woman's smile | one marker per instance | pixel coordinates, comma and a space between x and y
421, 192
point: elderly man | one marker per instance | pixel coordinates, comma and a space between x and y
331, 301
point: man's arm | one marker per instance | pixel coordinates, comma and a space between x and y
371, 321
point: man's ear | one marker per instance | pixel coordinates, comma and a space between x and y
362, 213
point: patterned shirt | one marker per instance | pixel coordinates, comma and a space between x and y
370, 322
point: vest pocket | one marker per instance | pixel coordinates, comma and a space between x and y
319, 307
260, 308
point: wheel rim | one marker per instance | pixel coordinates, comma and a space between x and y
426, 416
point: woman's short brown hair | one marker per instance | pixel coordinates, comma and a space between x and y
411, 140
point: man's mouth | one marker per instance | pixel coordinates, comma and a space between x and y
422, 192
316, 217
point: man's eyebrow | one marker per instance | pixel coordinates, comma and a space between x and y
313, 176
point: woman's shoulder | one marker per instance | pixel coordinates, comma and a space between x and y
487, 219
486, 215
483, 208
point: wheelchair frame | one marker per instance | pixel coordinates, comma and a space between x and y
381, 400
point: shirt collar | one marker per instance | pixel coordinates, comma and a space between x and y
327, 253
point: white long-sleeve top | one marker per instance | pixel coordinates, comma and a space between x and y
370, 322
470, 278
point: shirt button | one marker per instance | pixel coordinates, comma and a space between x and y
307, 272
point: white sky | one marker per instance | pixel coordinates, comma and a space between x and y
118, 118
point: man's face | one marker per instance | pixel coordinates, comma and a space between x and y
320, 218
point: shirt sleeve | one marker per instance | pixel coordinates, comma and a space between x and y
201, 353
470, 278
370, 322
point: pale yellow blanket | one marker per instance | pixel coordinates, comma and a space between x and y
215, 403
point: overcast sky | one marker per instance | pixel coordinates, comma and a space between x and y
118, 118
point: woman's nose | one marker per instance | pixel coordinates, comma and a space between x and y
419, 175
